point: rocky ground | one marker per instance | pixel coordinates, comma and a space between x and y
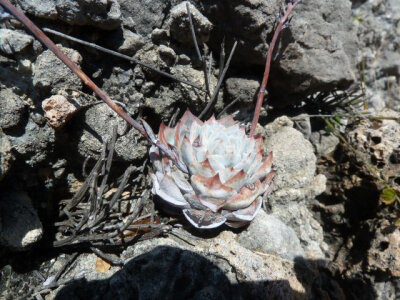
331, 119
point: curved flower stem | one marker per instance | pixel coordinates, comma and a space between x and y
261, 93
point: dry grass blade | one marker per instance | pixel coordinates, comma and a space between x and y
201, 57
95, 215
213, 98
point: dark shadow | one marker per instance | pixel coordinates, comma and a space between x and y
172, 273
317, 278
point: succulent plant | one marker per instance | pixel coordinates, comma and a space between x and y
220, 175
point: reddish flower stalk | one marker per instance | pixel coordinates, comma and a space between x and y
261, 93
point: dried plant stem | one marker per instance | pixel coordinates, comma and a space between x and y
201, 57
92, 217
55, 282
214, 97
227, 107
261, 93
172, 121
64, 266
115, 261
221, 57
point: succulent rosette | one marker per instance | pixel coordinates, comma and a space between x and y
222, 174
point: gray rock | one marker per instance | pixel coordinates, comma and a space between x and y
165, 108
159, 36
150, 55
377, 145
25, 66
295, 183
166, 98
324, 142
302, 123
242, 90
376, 99
183, 59
389, 63
12, 42
142, 15
387, 290
121, 87
14, 74
132, 42
307, 228
167, 54
12, 109
324, 56
51, 74
36, 142
104, 14
383, 254
84, 265
394, 8
317, 52
21, 226
148, 88
268, 234
248, 22
40, 8
378, 29
6, 155
295, 162
179, 24
99, 121
215, 268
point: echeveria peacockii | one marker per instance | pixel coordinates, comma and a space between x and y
226, 177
